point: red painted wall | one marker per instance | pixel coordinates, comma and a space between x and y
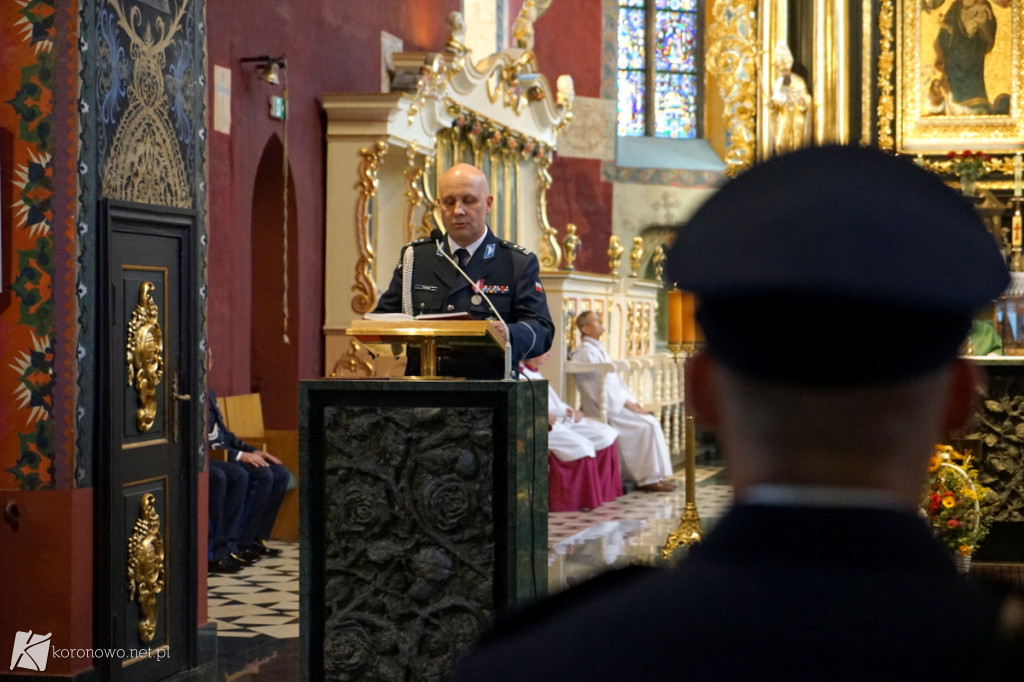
578, 194
48, 588
330, 47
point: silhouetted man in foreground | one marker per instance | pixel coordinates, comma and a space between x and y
836, 286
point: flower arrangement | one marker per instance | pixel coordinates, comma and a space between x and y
969, 166
954, 502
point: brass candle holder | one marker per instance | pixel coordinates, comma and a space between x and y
689, 531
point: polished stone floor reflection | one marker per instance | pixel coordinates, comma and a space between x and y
257, 610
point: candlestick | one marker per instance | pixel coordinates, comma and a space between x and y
689, 531
675, 316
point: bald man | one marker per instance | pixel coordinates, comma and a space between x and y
499, 270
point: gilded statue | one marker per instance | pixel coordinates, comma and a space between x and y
145, 355
146, 565
789, 105
659, 262
615, 252
570, 246
636, 254
522, 27
457, 39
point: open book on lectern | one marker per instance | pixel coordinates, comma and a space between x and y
449, 344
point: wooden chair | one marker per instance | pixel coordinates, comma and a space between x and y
243, 415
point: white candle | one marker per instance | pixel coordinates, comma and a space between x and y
1016, 175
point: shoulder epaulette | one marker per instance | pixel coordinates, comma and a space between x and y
516, 247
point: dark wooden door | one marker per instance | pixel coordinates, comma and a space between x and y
146, 501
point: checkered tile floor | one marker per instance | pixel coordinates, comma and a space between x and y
264, 599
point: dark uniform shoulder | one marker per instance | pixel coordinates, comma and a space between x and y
515, 247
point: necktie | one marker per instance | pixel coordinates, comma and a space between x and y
463, 257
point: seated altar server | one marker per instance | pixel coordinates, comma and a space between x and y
645, 455
823, 569
583, 463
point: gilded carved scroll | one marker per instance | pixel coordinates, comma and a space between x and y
144, 354
369, 181
146, 571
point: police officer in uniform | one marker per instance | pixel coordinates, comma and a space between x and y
836, 285
498, 271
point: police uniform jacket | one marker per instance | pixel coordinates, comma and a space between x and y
507, 273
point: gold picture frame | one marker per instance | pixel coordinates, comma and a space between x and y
946, 100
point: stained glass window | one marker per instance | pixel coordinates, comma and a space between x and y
658, 68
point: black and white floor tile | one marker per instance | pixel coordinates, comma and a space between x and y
263, 600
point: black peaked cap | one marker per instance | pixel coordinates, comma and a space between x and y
836, 265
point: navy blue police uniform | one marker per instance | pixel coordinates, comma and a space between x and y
507, 273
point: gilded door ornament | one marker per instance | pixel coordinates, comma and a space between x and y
732, 59
369, 181
145, 355
144, 163
146, 565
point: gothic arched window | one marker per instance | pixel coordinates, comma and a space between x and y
659, 65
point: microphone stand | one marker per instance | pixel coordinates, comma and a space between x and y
477, 290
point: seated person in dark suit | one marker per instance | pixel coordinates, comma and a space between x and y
823, 569
229, 485
268, 482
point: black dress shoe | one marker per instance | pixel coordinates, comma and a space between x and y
248, 555
228, 565
262, 548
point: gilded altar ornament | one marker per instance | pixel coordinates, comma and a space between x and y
369, 182
522, 27
789, 105
456, 44
146, 572
636, 254
732, 59
570, 247
145, 355
615, 252
886, 108
659, 262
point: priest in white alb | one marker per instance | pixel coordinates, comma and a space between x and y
642, 447
583, 466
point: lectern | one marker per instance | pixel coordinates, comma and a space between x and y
424, 511
434, 337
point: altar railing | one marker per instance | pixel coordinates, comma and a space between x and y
655, 379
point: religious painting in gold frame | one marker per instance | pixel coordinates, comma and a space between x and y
953, 94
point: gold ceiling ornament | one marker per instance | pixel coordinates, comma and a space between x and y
146, 572
144, 163
144, 354
369, 181
732, 59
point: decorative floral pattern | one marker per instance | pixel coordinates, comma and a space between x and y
410, 525
27, 446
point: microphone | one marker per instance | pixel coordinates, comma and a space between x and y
437, 236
